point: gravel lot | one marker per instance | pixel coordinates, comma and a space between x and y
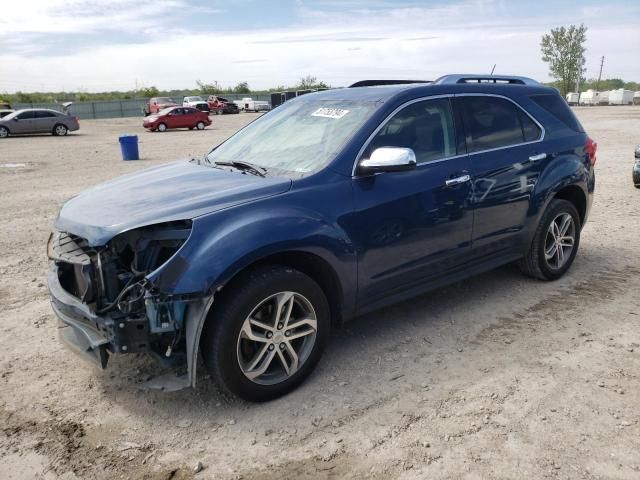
499, 376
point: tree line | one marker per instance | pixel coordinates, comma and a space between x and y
563, 49
202, 88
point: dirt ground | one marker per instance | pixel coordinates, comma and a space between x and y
497, 377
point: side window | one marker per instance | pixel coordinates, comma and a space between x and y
25, 116
426, 127
44, 114
493, 122
530, 130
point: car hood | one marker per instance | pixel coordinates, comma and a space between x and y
175, 191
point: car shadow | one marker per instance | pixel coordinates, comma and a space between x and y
435, 321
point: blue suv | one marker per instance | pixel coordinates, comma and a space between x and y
330, 206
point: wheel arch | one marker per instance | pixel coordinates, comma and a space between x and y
56, 125
311, 264
575, 195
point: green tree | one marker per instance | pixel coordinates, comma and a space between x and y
242, 87
309, 83
209, 88
563, 49
150, 91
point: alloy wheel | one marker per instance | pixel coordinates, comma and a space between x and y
61, 130
4, 132
277, 338
560, 240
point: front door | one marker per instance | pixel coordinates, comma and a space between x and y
23, 122
415, 225
505, 162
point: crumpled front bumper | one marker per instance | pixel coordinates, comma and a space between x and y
78, 327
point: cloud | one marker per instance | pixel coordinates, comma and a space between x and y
164, 45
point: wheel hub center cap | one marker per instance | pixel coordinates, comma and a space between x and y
278, 337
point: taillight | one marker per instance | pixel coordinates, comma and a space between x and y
591, 147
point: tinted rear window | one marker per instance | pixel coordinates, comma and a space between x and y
493, 122
557, 106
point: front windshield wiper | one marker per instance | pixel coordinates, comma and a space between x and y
244, 166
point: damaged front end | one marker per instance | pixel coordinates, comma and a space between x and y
106, 303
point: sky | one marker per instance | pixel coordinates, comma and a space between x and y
100, 45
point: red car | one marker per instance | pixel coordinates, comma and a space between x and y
155, 104
216, 104
177, 117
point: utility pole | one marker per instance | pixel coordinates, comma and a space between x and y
600, 74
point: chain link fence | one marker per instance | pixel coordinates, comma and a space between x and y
120, 108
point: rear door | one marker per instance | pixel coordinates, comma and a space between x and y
191, 117
504, 145
44, 121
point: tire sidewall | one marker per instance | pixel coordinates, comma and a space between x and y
55, 130
219, 345
556, 208
6, 130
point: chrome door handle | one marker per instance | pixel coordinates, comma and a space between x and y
457, 180
538, 157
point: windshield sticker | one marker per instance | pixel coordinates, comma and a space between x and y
330, 112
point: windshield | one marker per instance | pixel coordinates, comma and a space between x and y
164, 111
298, 137
195, 99
164, 100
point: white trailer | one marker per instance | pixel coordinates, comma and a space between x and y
573, 98
590, 97
247, 104
621, 97
603, 98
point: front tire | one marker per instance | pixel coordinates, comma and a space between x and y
267, 333
555, 242
4, 132
162, 127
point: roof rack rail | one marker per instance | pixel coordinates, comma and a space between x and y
474, 78
373, 83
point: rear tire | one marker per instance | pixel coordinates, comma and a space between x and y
555, 242
253, 352
60, 130
200, 125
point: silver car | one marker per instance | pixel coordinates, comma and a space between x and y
37, 120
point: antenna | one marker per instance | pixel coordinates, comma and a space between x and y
494, 67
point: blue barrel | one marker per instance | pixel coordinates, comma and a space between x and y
129, 147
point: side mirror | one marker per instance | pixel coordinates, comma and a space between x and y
15, 119
389, 159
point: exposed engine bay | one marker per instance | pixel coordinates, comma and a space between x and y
111, 282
